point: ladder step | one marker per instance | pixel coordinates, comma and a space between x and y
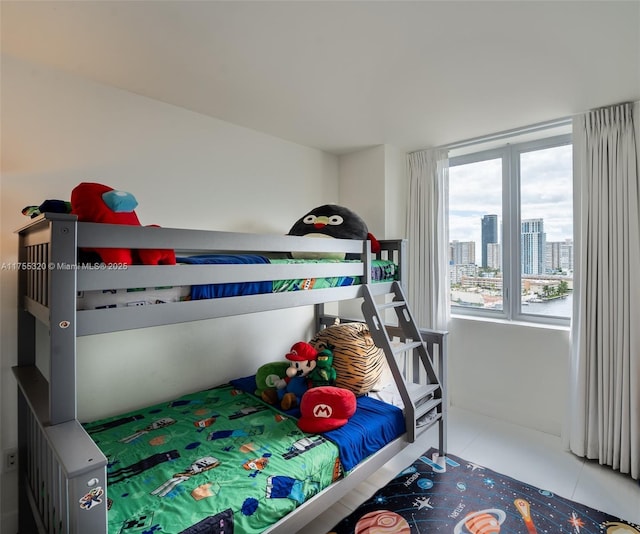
424, 408
392, 304
428, 421
424, 398
421, 393
402, 347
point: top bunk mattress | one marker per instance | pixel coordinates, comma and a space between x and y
381, 271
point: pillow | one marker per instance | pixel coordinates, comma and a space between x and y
358, 361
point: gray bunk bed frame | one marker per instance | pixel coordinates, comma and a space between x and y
59, 462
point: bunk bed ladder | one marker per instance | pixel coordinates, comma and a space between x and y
422, 395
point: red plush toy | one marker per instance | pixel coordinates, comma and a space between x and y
93, 202
326, 408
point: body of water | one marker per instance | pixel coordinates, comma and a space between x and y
552, 308
562, 307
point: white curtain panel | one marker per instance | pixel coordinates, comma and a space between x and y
603, 420
427, 232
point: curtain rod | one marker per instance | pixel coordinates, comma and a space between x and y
516, 131
505, 134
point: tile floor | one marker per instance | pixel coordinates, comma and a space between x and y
528, 455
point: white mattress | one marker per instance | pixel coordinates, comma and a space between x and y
121, 298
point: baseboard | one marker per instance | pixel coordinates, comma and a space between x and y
533, 420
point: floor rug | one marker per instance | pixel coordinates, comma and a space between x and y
467, 498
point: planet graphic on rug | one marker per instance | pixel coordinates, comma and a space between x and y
382, 522
481, 522
615, 527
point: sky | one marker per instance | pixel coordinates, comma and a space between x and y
475, 190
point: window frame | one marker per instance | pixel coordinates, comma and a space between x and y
510, 230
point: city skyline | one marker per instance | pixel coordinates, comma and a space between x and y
538, 254
475, 190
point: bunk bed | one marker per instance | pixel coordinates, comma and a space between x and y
63, 469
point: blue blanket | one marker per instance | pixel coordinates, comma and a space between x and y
380, 270
374, 425
209, 291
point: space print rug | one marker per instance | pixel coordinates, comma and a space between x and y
466, 498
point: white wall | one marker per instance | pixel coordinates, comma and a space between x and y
395, 192
186, 170
510, 371
373, 184
362, 186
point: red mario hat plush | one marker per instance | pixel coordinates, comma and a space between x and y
326, 408
301, 351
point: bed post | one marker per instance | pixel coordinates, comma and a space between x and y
62, 473
318, 313
366, 259
62, 327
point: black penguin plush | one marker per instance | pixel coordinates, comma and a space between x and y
332, 221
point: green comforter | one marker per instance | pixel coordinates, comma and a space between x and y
215, 458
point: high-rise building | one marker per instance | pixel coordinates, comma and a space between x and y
494, 256
462, 252
566, 255
489, 236
532, 246
559, 256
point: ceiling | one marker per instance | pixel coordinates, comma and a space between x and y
342, 75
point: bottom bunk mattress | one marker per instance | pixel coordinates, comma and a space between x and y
219, 457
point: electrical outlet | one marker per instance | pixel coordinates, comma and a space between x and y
10, 459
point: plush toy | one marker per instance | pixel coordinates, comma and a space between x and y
324, 374
331, 221
93, 202
268, 377
326, 408
48, 206
289, 390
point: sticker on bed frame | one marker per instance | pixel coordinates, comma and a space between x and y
91, 499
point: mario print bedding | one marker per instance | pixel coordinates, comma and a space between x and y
217, 457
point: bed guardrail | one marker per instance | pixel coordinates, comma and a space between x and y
49, 254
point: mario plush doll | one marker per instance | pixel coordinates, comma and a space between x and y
291, 388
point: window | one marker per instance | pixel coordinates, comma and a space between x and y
511, 231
